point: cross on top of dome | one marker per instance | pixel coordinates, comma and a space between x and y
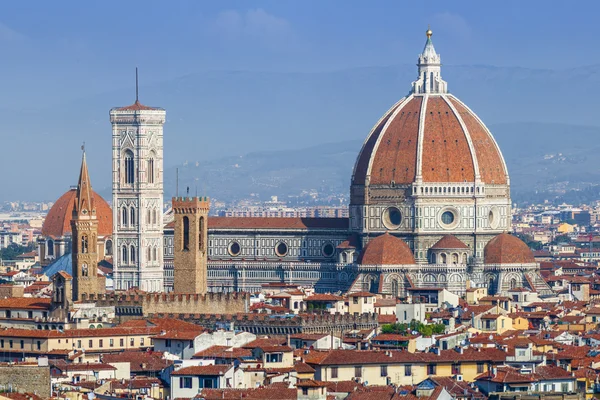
429, 80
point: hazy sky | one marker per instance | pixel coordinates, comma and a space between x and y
79, 56
61, 50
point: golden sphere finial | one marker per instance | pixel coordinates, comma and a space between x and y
428, 32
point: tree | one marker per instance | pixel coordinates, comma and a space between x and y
13, 250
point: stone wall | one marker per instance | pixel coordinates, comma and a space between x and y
210, 303
281, 324
25, 379
10, 290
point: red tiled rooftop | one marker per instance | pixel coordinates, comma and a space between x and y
277, 223
449, 242
203, 370
387, 249
507, 249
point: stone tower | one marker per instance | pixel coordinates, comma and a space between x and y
191, 235
137, 132
84, 231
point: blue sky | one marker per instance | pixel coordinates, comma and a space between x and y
79, 56
59, 51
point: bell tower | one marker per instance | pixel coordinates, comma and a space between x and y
84, 231
137, 202
191, 235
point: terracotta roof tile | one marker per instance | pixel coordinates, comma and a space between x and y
449, 242
203, 370
277, 223
58, 221
507, 249
387, 250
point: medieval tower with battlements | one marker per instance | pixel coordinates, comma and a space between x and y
137, 203
191, 240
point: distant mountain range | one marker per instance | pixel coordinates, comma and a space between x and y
539, 166
216, 117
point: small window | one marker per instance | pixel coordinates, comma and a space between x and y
407, 370
334, 372
358, 371
383, 370
185, 382
431, 369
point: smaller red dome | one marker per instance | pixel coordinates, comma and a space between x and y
58, 221
507, 249
387, 250
449, 242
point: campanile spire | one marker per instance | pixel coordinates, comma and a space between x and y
429, 64
84, 201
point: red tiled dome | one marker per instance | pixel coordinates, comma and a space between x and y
507, 249
58, 220
387, 250
456, 145
449, 242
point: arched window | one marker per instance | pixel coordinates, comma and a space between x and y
108, 248
148, 217
154, 254
124, 216
129, 167
50, 248
132, 218
201, 234
454, 258
84, 270
395, 292
124, 255
464, 258
433, 258
186, 234
151, 169
443, 258
132, 254
148, 254
513, 283
154, 214
431, 80
84, 244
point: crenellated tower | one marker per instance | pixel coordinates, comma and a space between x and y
137, 132
84, 229
191, 243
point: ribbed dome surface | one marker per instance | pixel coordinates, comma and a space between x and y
435, 137
507, 249
58, 220
387, 250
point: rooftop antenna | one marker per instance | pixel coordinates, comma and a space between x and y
177, 182
136, 85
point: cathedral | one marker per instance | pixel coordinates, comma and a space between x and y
429, 208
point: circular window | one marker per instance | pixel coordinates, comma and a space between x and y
447, 217
281, 249
328, 250
392, 218
234, 249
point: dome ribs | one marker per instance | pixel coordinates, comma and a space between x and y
395, 155
362, 164
491, 165
446, 154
